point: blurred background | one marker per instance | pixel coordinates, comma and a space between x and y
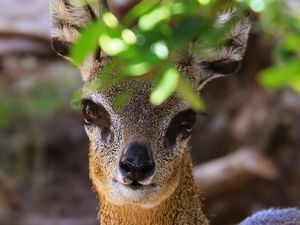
246, 150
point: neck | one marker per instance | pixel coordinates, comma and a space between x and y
182, 207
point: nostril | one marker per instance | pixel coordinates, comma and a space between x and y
125, 167
147, 168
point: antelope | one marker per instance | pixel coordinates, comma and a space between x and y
139, 159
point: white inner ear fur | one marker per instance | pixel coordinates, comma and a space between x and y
67, 17
239, 34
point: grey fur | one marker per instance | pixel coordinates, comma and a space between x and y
290, 216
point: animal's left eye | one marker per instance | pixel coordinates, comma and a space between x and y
187, 120
182, 124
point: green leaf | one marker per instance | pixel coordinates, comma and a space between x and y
138, 69
83, 2
188, 29
165, 87
139, 10
150, 20
278, 77
110, 20
77, 99
87, 43
112, 46
186, 91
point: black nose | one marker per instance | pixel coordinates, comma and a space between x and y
137, 163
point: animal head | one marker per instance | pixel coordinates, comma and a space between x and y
137, 151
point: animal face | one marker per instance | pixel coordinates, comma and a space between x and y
137, 151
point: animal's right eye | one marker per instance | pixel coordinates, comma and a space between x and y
90, 111
96, 115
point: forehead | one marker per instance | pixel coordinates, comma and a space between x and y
137, 107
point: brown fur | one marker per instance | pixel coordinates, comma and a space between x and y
182, 207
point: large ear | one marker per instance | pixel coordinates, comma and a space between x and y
68, 18
221, 61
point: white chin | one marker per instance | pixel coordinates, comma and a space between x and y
143, 196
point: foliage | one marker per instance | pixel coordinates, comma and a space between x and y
148, 48
163, 28
280, 21
286, 75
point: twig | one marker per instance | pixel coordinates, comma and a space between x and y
233, 171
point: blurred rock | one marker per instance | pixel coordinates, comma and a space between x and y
24, 27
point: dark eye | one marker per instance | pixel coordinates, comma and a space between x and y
90, 111
181, 125
94, 114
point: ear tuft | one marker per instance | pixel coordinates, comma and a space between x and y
220, 61
67, 19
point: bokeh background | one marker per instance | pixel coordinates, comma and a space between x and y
247, 149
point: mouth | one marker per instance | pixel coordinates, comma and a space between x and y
134, 189
135, 185
135, 193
